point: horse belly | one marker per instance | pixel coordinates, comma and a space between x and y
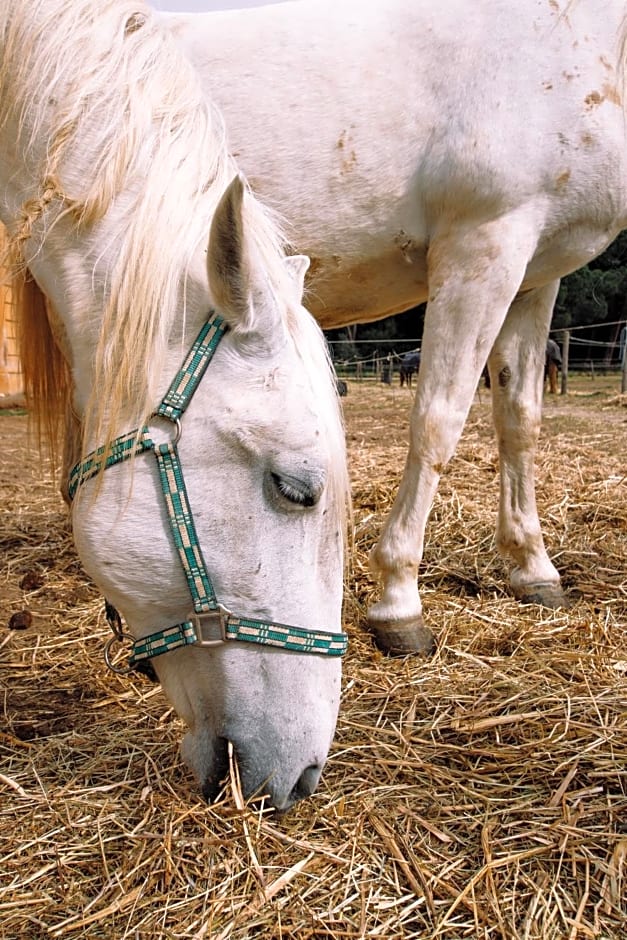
344, 291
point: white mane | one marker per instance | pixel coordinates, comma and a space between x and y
124, 119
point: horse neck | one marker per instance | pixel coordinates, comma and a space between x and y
72, 265
116, 165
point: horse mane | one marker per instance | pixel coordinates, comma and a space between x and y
124, 118
45, 369
125, 121
45, 372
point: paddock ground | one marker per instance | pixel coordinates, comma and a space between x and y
480, 794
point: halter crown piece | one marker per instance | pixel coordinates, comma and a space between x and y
210, 623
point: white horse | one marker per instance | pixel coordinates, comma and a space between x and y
116, 191
466, 154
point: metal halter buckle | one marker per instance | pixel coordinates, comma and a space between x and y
213, 618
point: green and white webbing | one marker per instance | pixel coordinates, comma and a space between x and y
206, 605
174, 403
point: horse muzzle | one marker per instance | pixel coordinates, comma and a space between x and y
251, 769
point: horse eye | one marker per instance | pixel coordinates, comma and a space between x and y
294, 491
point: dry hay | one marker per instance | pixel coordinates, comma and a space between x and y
481, 794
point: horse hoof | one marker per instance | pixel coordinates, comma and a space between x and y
403, 637
544, 593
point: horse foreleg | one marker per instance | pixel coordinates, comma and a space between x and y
517, 373
474, 276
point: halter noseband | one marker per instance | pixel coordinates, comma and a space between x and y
210, 623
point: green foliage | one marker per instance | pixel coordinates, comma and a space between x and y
596, 292
398, 334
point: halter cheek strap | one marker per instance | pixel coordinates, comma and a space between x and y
210, 624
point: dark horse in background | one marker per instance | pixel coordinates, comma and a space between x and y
410, 363
552, 365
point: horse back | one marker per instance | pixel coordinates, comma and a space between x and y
374, 127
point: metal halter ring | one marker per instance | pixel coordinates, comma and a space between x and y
118, 638
155, 416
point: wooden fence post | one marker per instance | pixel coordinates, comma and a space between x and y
565, 345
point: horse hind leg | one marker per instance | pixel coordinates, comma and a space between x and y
474, 274
517, 378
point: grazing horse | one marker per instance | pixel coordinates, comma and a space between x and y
552, 364
467, 155
410, 364
220, 538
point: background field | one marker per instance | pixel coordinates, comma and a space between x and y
480, 794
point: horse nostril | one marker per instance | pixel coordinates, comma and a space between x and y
212, 784
306, 784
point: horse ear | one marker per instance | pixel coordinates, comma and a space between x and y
297, 267
227, 265
237, 283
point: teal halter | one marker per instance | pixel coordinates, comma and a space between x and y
210, 624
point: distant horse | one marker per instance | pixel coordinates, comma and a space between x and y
552, 364
466, 155
125, 208
410, 363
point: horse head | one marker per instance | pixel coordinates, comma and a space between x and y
220, 538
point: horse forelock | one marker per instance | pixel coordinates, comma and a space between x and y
126, 131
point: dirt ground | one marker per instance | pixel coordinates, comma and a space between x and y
479, 794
